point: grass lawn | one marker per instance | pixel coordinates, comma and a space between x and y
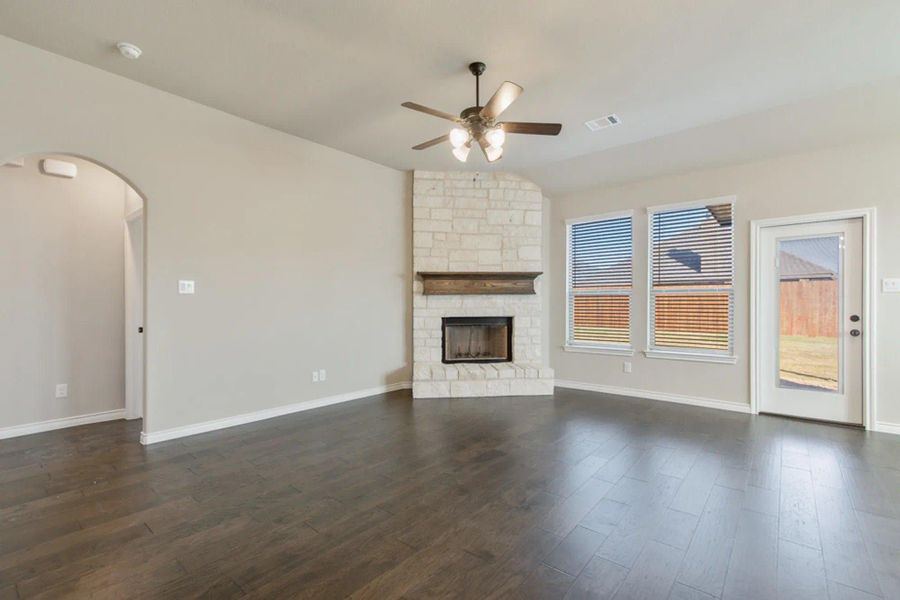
811, 361
806, 361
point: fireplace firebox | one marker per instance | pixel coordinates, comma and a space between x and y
476, 339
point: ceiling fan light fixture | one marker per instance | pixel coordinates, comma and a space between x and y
462, 152
458, 137
493, 153
495, 137
479, 124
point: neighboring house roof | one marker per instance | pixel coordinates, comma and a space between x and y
694, 252
695, 256
791, 266
809, 258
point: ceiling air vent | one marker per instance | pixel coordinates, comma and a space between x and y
602, 122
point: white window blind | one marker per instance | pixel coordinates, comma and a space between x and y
692, 279
599, 282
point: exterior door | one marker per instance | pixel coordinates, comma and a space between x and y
811, 324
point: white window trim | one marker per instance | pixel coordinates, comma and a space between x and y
687, 354
707, 357
691, 204
606, 349
604, 217
598, 348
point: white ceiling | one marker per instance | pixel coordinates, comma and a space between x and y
336, 71
860, 113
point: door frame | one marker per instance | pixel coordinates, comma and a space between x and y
134, 317
868, 216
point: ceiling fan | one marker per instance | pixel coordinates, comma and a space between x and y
478, 124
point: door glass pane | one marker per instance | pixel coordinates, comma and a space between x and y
809, 307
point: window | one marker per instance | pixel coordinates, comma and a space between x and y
599, 283
692, 281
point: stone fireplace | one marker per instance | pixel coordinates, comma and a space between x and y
477, 296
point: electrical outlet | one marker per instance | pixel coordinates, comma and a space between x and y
626, 367
62, 390
890, 285
186, 286
315, 377
322, 375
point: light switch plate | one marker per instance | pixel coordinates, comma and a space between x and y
185, 286
890, 285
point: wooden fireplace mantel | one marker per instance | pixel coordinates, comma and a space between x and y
479, 282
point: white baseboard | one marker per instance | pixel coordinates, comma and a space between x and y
269, 413
885, 427
53, 424
651, 395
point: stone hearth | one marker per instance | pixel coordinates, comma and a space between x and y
477, 222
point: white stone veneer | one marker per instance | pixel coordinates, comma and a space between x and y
465, 221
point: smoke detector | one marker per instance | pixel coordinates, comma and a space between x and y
129, 51
603, 122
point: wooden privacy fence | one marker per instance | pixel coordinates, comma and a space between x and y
809, 307
674, 312
681, 320
602, 311
601, 319
685, 320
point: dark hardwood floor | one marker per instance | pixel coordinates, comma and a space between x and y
579, 496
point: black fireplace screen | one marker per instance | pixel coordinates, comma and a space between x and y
477, 339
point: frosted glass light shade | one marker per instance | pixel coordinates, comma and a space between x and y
495, 137
461, 153
493, 153
458, 137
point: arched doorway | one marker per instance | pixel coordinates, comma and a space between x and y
73, 234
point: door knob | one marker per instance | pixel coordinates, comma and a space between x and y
855, 332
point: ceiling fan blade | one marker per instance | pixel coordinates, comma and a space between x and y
484, 146
505, 95
532, 128
433, 142
431, 111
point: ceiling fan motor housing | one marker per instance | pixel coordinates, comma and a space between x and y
474, 122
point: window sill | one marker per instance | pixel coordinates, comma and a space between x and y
721, 359
600, 350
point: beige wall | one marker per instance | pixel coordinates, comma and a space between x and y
301, 253
62, 306
866, 175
